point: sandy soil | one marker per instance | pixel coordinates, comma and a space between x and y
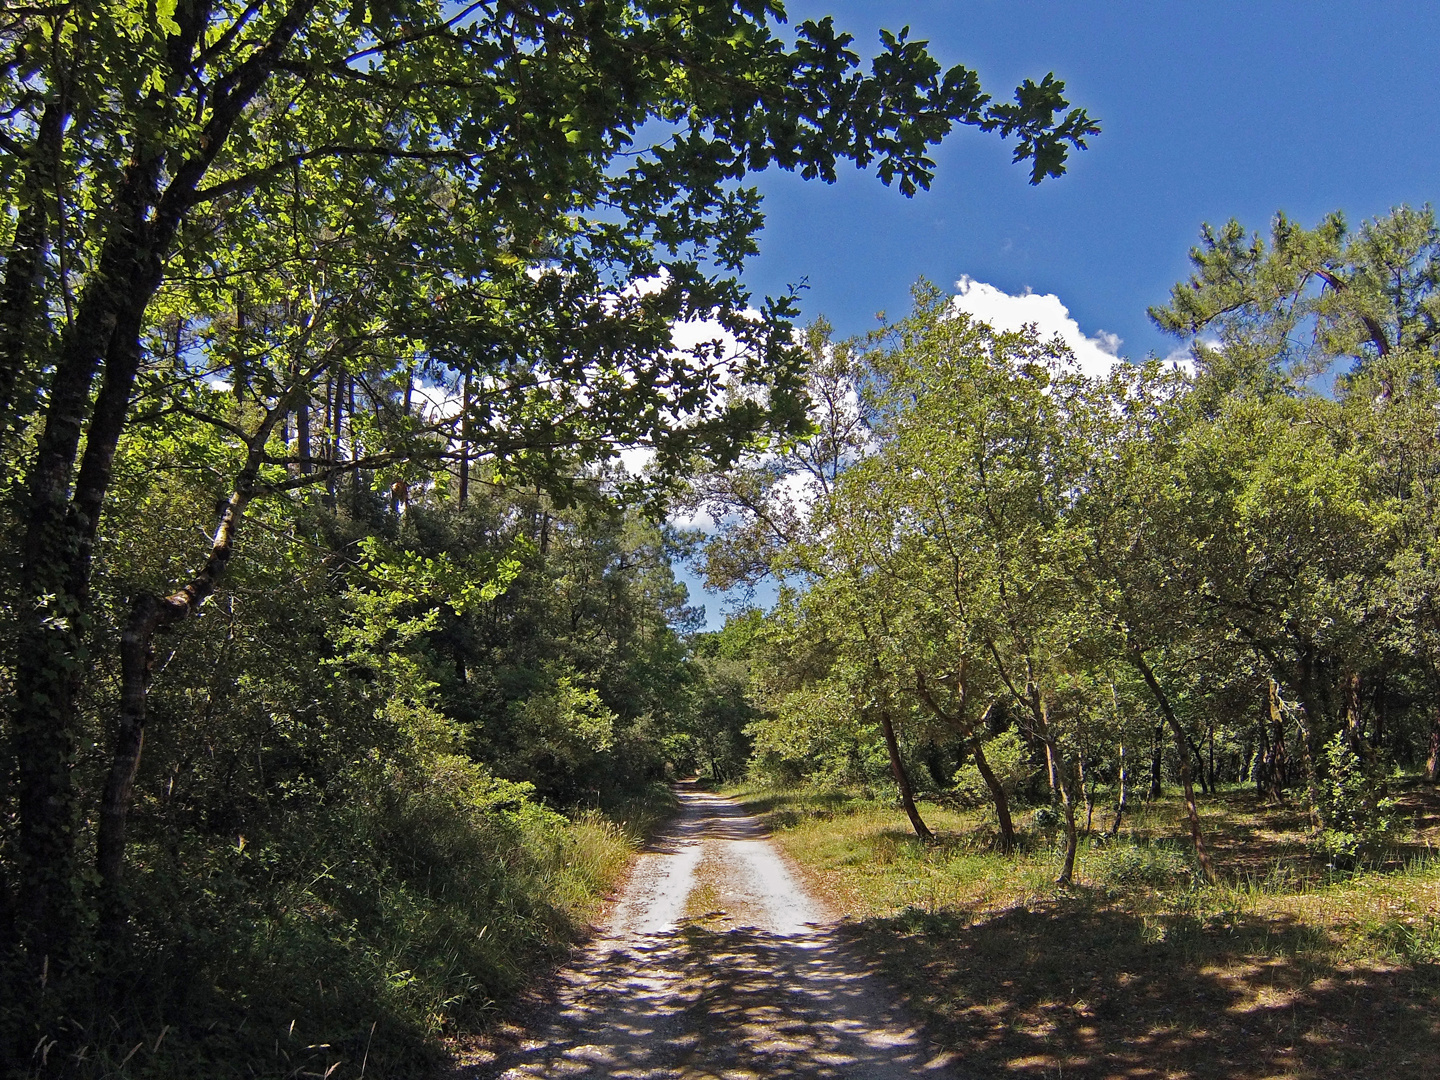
716, 963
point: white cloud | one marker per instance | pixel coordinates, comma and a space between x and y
636, 459
1095, 354
694, 518
1183, 358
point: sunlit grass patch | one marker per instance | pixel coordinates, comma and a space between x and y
1286, 968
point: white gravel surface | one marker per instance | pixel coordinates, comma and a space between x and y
756, 985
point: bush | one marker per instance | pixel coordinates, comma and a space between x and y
1131, 865
350, 933
1010, 761
1046, 819
1357, 813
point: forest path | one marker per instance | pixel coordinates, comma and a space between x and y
753, 983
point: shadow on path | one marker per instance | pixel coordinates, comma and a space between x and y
742, 1003
1082, 990
776, 995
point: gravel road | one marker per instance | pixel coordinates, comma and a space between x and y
715, 962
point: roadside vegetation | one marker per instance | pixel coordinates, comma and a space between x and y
1284, 967
353, 359
1105, 704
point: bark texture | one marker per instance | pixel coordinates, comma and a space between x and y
136, 229
22, 293
1274, 765
997, 795
1124, 794
1432, 761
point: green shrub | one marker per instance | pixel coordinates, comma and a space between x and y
1357, 813
1149, 865
351, 934
1045, 819
1009, 759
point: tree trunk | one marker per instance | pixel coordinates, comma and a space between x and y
1258, 771
1432, 762
1157, 762
1354, 717
1275, 761
1087, 792
1064, 785
1182, 742
138, 226
54, 591
1380, 695
1060, 777
464, 439
330, 441
355, 449
22, 311
150, 615
136, 658
1198, 761
902, 779
1120, 802
302, 436
997, 795
1309, 716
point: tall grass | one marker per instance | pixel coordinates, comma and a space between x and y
1286, 968
345, 942
863, 855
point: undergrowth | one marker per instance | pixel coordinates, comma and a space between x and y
1288, 966
299, 954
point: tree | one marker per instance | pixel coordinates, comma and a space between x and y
981, 438
159, 128
721, 709
938, 557
1295, 514
1311, 298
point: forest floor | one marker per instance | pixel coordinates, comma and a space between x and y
713, 962
1287, 968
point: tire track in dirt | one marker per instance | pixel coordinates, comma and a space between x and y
754, 983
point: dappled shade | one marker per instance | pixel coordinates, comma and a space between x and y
697, 1003
1080, 986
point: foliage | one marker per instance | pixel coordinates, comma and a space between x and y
1010, 760
323, 830
1358, 816
989, 540
1310, 298
287, 222
1146, 865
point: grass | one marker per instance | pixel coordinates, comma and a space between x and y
1286, 968
354, 947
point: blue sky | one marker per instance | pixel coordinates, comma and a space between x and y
1210, 110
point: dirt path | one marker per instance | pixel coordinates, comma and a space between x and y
716, 963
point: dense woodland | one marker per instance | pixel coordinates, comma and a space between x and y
1056, 583
343, 660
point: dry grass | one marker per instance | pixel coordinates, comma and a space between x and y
1285, 969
